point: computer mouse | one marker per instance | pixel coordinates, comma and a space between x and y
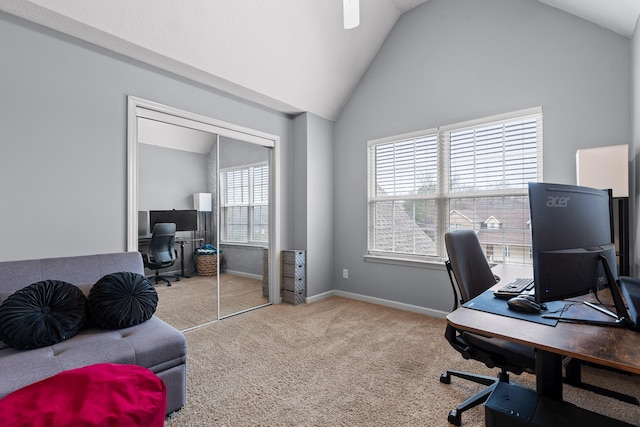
525, 304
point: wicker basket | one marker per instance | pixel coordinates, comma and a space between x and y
207, 264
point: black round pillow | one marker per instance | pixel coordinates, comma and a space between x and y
42, 314
120, 300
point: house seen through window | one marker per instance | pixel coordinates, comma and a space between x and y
468, 175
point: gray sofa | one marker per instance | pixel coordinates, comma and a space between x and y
153, 344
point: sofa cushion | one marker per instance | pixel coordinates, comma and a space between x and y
42, 314
153, 344
120, 300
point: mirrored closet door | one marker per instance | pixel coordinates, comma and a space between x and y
243, 225
216, 184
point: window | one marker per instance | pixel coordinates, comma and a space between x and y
245, 204
488, 252
469, 175
507, 251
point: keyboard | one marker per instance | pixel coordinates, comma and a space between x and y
514, 288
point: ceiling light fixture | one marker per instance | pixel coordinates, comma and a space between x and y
351, 13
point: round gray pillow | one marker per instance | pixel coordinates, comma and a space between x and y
42, 314
120, 300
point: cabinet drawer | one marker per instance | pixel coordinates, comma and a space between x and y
293, 257
293, 270
293, 284
291, 297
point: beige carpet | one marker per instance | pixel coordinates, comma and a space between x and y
194, 301
339, 362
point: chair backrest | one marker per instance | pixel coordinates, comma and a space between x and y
162, 245
469, 264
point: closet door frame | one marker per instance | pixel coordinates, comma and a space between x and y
138, 107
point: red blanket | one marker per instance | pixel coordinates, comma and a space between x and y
97, 395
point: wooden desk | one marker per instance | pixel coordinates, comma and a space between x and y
614, 347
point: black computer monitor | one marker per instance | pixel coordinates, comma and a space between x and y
571, 229
185, 220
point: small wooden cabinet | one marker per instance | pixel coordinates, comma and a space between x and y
294, 277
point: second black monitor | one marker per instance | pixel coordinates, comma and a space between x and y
185, 220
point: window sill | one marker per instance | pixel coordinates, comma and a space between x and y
407, 262
245, 245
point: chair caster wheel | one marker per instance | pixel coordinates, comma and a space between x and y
445, 378
454, 418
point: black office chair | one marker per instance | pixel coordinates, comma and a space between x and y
161, 252
471, 275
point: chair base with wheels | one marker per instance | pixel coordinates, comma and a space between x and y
511, 358
455, 415
157, 278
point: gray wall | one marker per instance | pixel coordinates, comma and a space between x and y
63, 139
299, 186
453, 60
320, 205
243, 259
313, 199
167, 178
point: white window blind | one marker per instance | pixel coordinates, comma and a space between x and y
401, 204
469, 175
494, 157
245, 204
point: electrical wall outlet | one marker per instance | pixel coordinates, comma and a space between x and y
345, 273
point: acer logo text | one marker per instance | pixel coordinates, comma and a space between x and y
557, 202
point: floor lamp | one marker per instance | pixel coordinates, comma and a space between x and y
608, 167
202, 203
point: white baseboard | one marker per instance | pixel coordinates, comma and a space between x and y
379, 301
321, 296
242, 274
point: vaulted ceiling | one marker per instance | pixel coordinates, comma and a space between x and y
289, 55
